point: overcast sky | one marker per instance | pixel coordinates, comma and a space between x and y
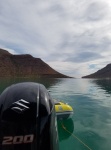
72, 36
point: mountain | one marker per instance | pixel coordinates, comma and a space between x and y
102, 73
25, 66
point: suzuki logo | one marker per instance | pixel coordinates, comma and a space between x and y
20, 106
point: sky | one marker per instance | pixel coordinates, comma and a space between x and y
72, 36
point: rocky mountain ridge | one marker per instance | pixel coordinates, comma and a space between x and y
102, 73
25, 66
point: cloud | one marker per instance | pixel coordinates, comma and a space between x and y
96, 11
84, 57
62, 33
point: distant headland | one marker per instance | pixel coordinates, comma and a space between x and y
25, 66
102, 73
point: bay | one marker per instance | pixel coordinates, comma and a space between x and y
90, 125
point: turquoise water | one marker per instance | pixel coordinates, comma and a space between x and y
91, 100
91, 122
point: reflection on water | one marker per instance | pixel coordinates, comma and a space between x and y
47, 82
67, 124
104, 84
91, 101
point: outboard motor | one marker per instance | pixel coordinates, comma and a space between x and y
27, 118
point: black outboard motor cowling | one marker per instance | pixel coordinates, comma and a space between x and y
27, 118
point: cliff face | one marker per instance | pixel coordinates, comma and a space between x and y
25, 66
102, 73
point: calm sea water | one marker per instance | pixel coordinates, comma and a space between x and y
90, 126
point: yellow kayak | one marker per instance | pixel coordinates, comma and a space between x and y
63, 110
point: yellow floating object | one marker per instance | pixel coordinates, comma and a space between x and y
63, 110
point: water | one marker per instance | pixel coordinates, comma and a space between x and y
91, 122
